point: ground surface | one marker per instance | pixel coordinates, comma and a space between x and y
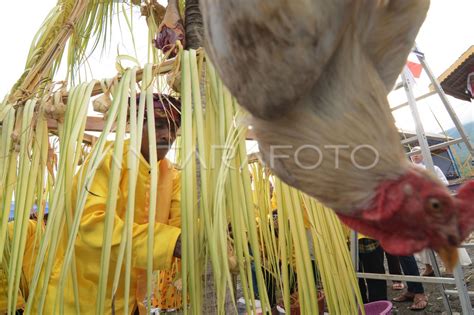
435, 302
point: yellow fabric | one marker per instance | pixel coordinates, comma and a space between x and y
88, 245
29, 258
167, 295
169, 184
168, 292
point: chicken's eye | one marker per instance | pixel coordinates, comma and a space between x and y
435, 205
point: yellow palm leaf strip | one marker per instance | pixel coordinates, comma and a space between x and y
42, 140
136, 139
150, 114
125, 249
353, 294
50, 244
307, 287
323, 257
330, 250
228, 193
24, 199
66, 161
8, 160
203, 168
285, 251
245, 197
241, 199
114, 181
187, 185
74, 126
217, 235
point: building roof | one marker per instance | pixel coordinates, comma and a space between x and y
454, 79
404, 134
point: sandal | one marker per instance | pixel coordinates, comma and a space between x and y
404, 297
420, 302
428, 274
398, 286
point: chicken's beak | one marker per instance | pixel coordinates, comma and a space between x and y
449, 256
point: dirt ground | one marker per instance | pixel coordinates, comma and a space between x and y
433, 291
435, 302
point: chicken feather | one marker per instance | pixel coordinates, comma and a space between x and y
314, 75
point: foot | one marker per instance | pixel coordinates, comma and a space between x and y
420, 302
428, 273
404, 297
398, 286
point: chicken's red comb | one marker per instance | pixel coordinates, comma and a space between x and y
465, 201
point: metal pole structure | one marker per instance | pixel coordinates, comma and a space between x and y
419, 98
355, 250
384, 276
423, 142
445, 101
456, 292
462, 291
428, 160
420, 132
435, 266
458, 273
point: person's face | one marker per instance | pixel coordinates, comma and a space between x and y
417, 158
165, 133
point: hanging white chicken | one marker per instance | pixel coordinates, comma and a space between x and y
315, 77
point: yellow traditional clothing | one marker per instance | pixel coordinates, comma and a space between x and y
88, 246
167, 293
29, 258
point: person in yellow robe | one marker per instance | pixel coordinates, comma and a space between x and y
88, 246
